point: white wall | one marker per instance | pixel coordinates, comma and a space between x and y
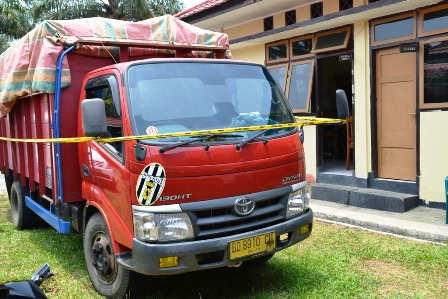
363, 144
253, 53
310, 150
433, 155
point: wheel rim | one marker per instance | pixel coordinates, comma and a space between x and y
103, 258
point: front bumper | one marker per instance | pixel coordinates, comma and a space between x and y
144, 257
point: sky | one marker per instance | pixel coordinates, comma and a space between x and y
191, 3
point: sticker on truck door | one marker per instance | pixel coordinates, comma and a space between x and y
150, 184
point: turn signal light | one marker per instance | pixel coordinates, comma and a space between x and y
304, 229
168, 262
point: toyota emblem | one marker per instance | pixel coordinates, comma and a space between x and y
244, 206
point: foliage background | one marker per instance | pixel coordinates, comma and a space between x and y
17, 17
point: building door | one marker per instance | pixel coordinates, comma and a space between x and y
396, 114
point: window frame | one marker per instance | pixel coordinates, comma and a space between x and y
412, 14
421, 75
285, 42
291, 41
421, 15
310, 83
285, 79
111, 81
325, 33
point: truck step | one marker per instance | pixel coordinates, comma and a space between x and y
60, 225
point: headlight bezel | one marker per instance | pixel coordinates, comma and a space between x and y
162, 227
298, 202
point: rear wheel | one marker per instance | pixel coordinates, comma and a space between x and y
8, 182
108, 277
22, 216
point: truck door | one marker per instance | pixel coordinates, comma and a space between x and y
107, 159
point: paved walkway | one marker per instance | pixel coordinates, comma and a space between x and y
420, 223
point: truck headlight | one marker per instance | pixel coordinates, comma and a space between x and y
298, 201
162, 227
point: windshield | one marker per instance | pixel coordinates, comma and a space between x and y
175, 97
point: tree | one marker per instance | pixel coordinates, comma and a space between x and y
129, 10
14, 22
17, 17
4, 42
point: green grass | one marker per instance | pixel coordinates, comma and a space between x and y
335, 262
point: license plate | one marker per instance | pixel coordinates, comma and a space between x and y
252, 245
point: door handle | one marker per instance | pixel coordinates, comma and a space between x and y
412, 113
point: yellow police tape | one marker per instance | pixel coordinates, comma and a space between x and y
300, 121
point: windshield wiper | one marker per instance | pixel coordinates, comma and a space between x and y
244, 142
202, 137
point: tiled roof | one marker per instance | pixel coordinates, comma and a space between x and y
198, 8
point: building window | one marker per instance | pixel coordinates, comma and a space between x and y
277, 52
394, 29
331, 40
345, 4
279, 72
317, 10
290, 17
435, 73
268, 23
299, 89
433, 20
301, 46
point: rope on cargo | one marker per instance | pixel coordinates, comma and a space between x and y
300, 121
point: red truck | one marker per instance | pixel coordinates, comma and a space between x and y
171, 187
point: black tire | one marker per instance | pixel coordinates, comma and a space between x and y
22, 217
258, 261
108, 277
8, 182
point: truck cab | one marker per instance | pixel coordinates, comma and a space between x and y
195, 200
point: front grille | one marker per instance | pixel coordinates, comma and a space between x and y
220, 220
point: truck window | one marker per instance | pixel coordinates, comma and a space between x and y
188, 96
106, 88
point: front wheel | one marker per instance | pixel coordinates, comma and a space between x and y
22, 217
108, 277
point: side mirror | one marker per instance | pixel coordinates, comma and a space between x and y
93, 117
342, 104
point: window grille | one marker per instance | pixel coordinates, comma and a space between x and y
317, 10
268, 23
290, 17
345, 4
